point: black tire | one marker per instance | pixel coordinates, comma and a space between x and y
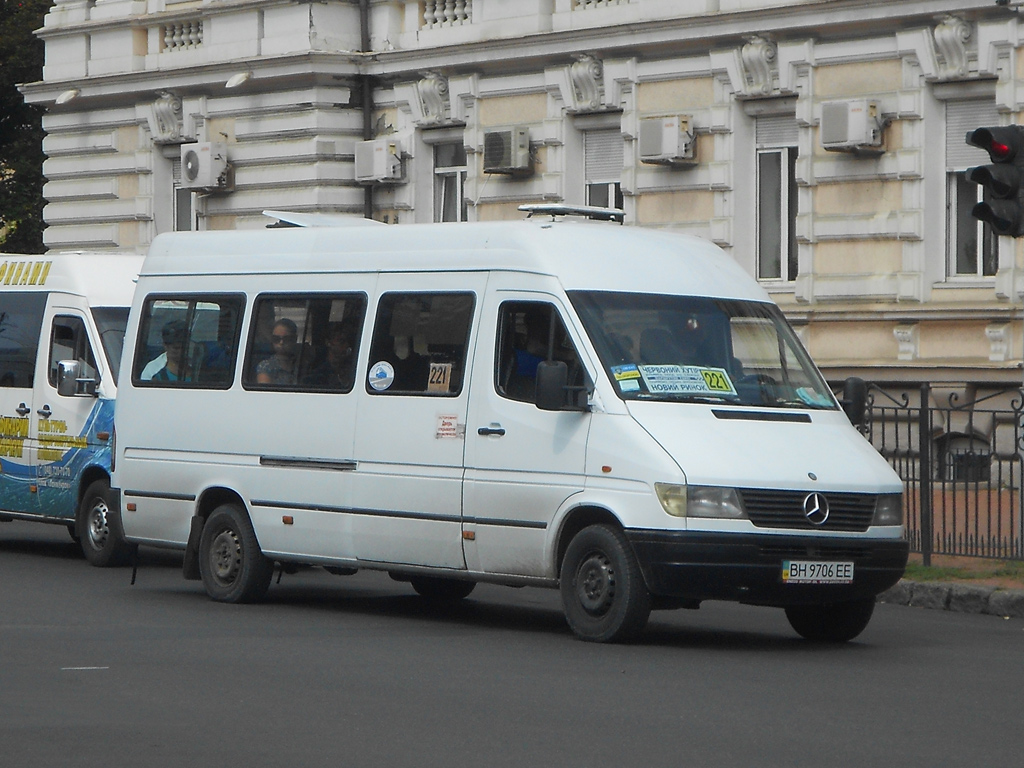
603, 591
434, 588
835, 623
99, 528
233, 568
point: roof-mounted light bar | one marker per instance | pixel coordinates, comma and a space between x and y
562, 209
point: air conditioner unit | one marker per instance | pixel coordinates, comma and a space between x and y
851, 126
667, 141
507, 151
204, 165
379, 160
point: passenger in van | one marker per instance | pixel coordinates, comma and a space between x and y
173, 336
280, 368
338, 368
528, 353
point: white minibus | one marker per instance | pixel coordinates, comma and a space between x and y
62, 321
619, 413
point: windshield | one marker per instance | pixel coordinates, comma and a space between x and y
688, 348
111, 322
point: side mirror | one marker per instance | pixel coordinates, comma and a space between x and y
855, 400
552, 378
70, 383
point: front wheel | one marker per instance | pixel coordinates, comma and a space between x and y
835, 623
233, 568
99, 528
603, 592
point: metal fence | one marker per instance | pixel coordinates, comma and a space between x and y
960, 455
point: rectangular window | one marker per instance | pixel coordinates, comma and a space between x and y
70, 341
21, 318
188, 341
529, 332
419, 344
450, 182
972, 248
603, 157
776, 214
305, 343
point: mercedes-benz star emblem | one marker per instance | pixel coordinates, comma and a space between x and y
816, 508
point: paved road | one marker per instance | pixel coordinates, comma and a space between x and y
358, 671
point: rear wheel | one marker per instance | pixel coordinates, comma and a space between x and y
603, 592
434, 588
835, 623
99, 528
233, 568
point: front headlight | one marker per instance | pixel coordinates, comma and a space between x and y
888, 509
699, 501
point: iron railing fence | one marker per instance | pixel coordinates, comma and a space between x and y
961, 465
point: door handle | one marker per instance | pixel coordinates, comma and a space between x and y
494, 430
45, 412
23, 410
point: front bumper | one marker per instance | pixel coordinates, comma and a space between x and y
747, 568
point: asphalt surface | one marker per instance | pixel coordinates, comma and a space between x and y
359, 671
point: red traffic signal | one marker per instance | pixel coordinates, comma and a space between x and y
1003, 201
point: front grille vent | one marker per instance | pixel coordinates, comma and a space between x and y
785, 509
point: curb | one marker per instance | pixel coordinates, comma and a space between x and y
962, 598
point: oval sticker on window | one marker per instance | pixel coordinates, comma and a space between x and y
381, 375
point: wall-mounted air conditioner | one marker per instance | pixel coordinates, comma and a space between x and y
507, 151
853, 125
204, 165
667, 141
379, 160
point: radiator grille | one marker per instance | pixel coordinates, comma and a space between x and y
785, 509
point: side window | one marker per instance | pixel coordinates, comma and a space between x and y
21, 318
305, 342
189, 341
70, 341
529, 332
419, 344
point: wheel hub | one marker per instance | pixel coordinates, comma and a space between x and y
226, 557
595, 584
97, 527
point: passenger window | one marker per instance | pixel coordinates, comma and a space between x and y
21, 318
70, 341
188, 341
419, 344
305, 343
529, 332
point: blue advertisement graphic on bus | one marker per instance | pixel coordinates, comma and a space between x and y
48, 486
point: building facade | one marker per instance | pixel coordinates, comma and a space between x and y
819, 142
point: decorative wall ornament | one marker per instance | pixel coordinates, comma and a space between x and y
998, 342
908, 340
951, 36
586, 75
165, 119
758, 59
432, 93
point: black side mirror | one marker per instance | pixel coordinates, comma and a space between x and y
855, 400
552, 378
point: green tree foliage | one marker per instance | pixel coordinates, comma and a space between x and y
21, 131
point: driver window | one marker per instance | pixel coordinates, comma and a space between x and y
70, 341
529, 332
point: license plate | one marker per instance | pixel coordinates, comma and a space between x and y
815, 572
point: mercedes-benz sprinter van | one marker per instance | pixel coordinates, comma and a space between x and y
616, 412
62, 321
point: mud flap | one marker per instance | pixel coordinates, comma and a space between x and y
190, 566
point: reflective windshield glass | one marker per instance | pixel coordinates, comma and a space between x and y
657, 347
111, 323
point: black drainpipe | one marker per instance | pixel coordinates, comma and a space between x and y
366, 86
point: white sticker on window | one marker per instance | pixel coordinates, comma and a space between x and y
686, 379
381, 376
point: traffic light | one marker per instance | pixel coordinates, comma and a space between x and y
1002, 206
